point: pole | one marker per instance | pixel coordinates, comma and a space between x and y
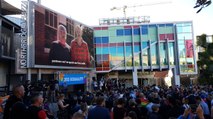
39, 1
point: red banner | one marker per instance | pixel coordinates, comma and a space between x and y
189, 48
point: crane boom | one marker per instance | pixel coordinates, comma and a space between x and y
125, 6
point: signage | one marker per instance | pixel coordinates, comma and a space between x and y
72, 79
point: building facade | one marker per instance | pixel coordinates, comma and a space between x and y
146, 47
9, 40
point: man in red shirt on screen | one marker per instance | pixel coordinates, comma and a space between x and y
79, 49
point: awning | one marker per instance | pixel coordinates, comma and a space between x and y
8, 9
161, 74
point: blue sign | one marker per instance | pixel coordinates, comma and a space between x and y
72, 79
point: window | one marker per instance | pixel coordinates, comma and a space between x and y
50, 18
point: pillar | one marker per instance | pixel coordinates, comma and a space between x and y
176, 77
39, 74
29, 74
135, 77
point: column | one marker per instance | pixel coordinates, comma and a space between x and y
39, 74
29, 74
135, 77
176, 77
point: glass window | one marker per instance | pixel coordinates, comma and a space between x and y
105, 50
184, 36
120, 32
163, 57
137, 31
98, 50
137, 59
112, 51
97, 40
105, 39
171, 54
144, 31
128, 31
154, 55
98, 57
145, 58
98, 63
136, 49
128, 51
105, 57
145, 44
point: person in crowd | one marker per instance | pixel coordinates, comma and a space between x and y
99, 112
78, 115
204, 106
193, 113
119, 111
154, 114
84, 110
15, 108
133, 107
79, 49
60, 50
63, 112
35, 110
132, 115
185, 102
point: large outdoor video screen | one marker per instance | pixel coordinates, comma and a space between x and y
61, 41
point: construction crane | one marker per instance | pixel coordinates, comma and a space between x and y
125, 6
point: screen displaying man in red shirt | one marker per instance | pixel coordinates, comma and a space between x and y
79, 49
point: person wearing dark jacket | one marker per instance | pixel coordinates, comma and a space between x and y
15, 108
119, 112
154, 114
60, 50
35, 111
99, 112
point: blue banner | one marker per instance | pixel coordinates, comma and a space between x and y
72, 79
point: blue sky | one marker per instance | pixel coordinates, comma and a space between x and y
90, 11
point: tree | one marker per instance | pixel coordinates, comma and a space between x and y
205, 60
202, 4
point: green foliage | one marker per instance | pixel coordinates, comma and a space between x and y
205, 61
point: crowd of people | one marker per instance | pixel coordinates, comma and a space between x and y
146, 102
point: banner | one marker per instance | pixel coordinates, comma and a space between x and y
72, 79
189, 48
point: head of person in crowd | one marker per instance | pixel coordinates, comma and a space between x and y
37, 99
100, 101
120, 102
185, 100
78, 31
198, 99
132, 103
78, 115
84, 107
19, 91
62, 34
61, 97
155, 108
133, 115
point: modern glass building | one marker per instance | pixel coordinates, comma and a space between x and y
145, 47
